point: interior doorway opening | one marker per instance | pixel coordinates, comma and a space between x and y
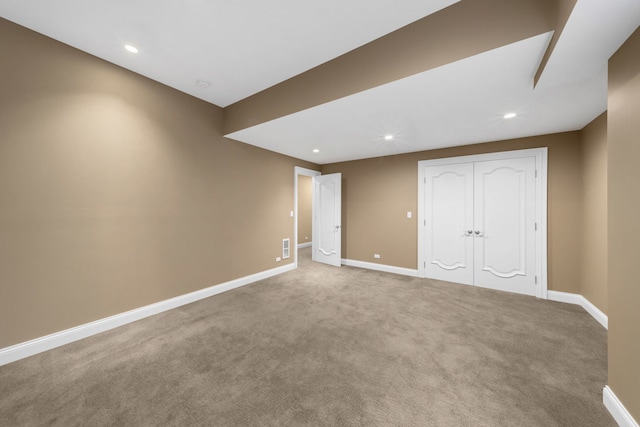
305, 210
302, 208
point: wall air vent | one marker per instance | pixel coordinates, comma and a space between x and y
286, 244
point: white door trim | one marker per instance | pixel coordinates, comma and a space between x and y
540, 155
297, 170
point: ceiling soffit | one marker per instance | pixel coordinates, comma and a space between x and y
565, 7
459, 31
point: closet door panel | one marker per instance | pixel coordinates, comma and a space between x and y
449, 222
504, 219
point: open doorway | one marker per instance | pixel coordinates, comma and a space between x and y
305, 203
303, 196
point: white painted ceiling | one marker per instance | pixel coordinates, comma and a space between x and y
464, 102
240, 46
456, 104
245, 46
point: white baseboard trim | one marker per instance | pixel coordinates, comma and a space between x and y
581, 301
617, 409
380, 267
57, 339
305, 245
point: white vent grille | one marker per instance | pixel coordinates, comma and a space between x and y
285, 248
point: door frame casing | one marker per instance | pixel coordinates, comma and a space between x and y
540, 155
297, 171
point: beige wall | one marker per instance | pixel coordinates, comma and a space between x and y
593, 284
304, 209
118, 192
624, 227
378, 192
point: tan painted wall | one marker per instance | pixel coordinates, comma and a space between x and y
378, 192
304, 210
624, 227
117, 192
593, 284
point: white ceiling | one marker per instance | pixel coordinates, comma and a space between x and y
463, 102
245, 46
456, 104
240, 46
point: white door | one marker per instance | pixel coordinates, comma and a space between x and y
449, 222
504, 219
327, 211
480, 224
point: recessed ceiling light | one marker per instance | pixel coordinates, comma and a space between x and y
315, 150
131, 48
510, 115
388, 137
203, 83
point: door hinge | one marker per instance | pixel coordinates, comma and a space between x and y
536, 174
536, 226
425, 179
536, 279
424, 264
425, 222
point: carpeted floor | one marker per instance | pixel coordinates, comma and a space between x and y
327, 346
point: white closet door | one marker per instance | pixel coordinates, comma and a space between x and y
504, 225
449, 222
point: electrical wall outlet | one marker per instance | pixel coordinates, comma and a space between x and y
376, 256
278, 259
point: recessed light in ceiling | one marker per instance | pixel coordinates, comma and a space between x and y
315, 150
131, 48
388, 137
509, 115
203, 83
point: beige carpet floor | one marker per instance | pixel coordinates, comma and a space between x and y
326, 346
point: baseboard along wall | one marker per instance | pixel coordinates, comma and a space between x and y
49, 342
557, 296
380, 267
57, 339
305, 245
577, 299
617, 409
610, 400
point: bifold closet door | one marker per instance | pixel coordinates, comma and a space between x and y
449, 222
504, 225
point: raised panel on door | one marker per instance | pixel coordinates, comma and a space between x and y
327, 209
449, 222
504, 218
